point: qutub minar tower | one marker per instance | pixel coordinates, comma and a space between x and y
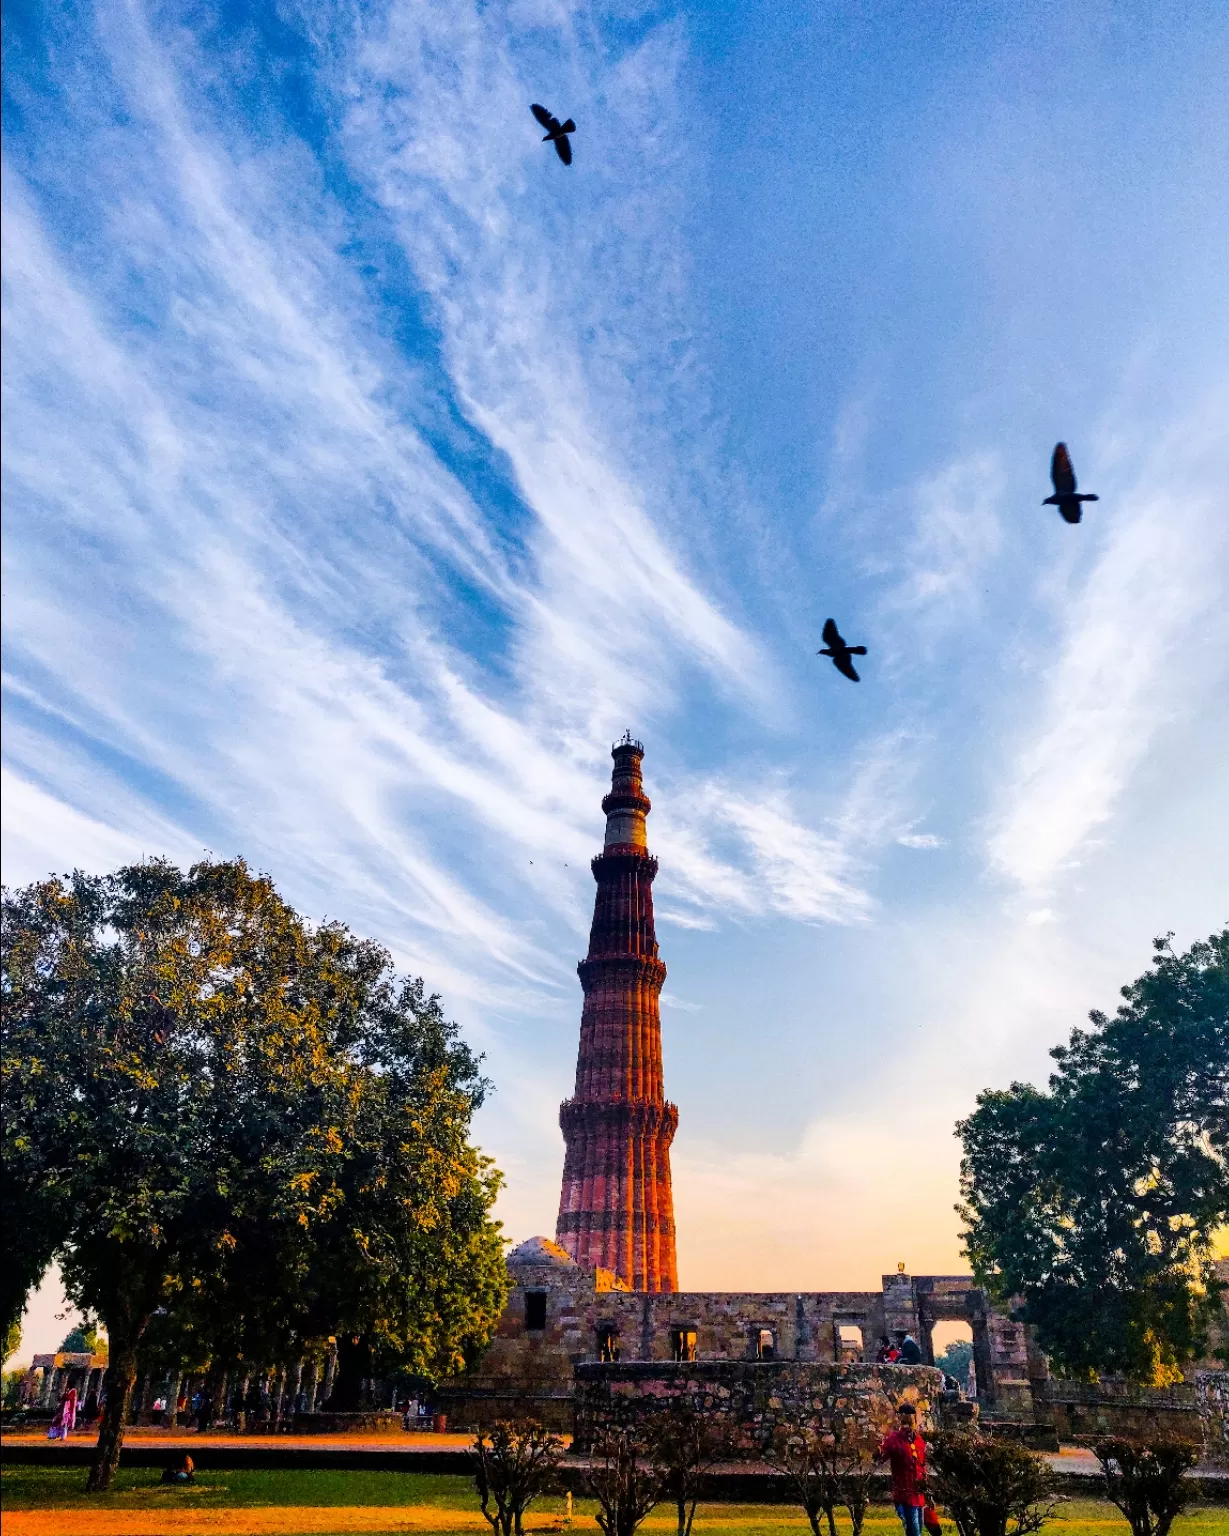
617, 1208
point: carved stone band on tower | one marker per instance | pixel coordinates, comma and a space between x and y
617, 1207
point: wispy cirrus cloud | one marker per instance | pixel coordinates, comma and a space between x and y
366, 473
287, 538
1139, 642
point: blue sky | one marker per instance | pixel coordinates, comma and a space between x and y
366, 473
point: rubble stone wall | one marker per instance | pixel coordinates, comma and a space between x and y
750, 1400
1115, 1408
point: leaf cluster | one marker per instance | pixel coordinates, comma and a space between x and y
991, 1487
1096, 1203
1147, 1479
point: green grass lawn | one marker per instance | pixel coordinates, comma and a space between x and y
64, 1488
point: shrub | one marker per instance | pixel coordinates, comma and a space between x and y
1147, 1479
991, 1487
683, 1446
515, 1463
623, 1478
828, 1467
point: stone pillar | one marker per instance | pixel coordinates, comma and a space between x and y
1010, 1391
899, 1306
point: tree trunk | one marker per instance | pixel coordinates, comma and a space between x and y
350, 1393
121, 1378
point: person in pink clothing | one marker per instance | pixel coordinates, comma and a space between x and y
66, 1416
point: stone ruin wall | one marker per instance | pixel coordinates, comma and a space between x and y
747, 1401
529, 1371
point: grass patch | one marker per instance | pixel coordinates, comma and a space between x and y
63, 1488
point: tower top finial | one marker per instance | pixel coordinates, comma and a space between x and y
627, 743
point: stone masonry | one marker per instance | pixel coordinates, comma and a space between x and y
616, 1209
748, 1401
562, 1316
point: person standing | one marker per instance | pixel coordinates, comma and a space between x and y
905, 1452
65, 1420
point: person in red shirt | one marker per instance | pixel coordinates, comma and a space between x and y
905, 1451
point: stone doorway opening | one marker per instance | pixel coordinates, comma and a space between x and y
850, 1343
951, 1341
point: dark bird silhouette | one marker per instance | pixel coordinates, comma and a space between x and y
556, 132
835, 647
1066, 498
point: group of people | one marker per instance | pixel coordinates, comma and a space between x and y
908, 1352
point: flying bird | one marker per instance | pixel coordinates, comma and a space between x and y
556, 132
1066, 498
835, 647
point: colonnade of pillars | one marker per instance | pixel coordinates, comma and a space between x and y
269, 1397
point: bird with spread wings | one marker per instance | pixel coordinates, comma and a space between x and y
840, 653
556, 132
1066, 498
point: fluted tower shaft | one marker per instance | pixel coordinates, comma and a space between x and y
617, 1206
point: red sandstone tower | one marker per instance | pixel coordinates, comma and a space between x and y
617, 1207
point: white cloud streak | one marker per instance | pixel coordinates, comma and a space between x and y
1144, 641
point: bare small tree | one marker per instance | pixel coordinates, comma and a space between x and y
514, 1464
804, 1451
1147, 1479
991, 1487
853, 1465
684, 1444
623, 1478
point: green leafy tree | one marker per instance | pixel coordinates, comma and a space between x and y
413, 1209
1094, 1207
12, 1339
190, 1072
81, 1338
956, 1358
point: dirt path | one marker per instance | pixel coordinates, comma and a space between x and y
325, 1520
287, 1520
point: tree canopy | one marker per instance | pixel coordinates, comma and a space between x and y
1095, 1205
240, 1125
81, 1338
